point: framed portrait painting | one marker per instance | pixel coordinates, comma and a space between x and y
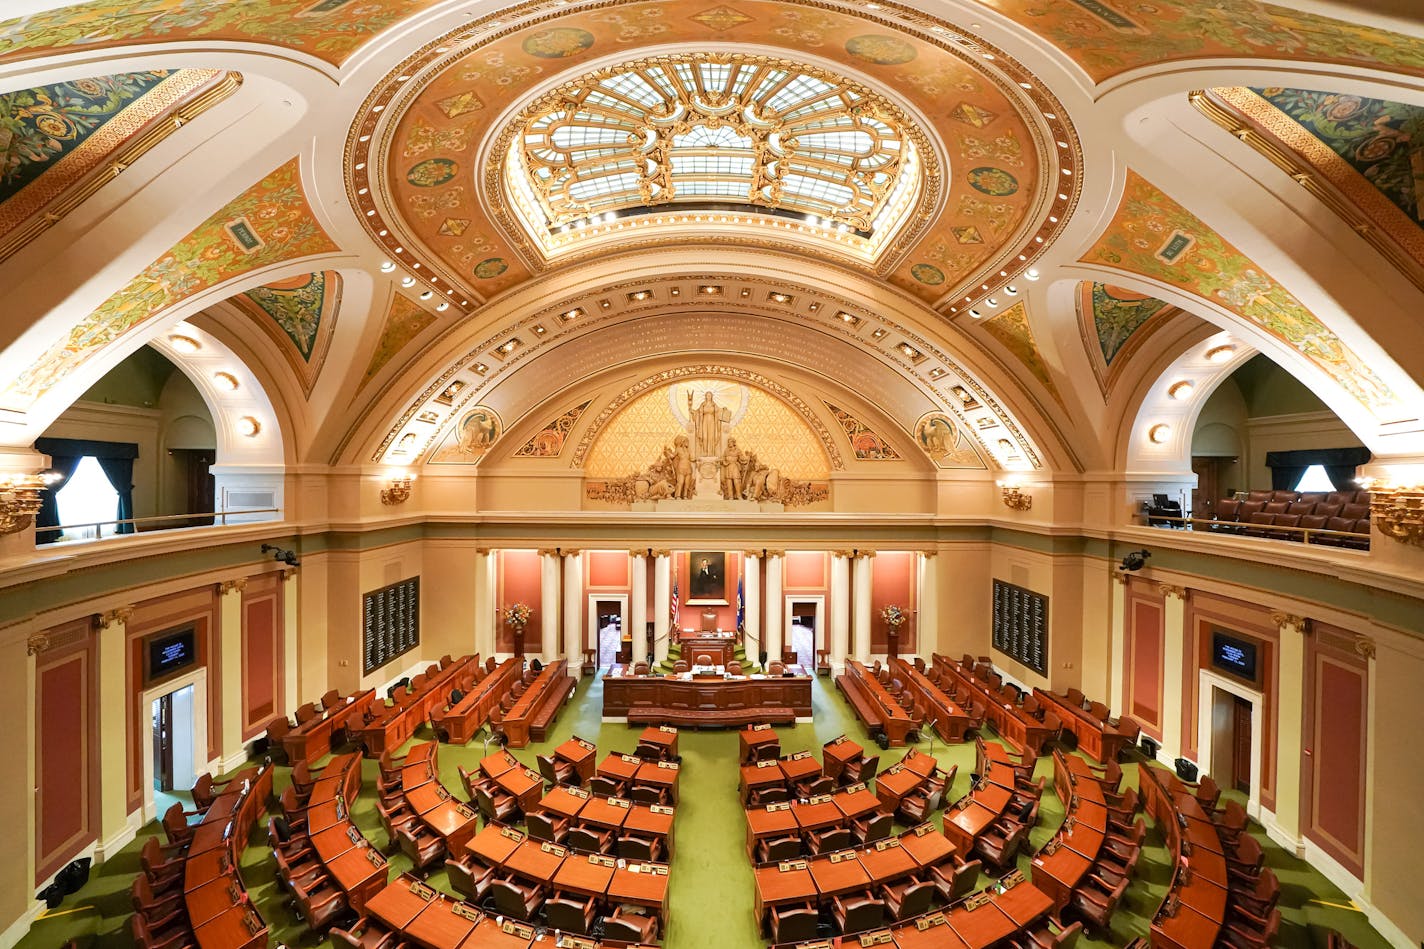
707, 578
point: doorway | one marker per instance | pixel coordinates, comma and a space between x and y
1229, 736
608, 615
175, 746
804, 616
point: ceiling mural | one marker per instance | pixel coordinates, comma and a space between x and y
329, 30
1109, 37
548, 442
60, 143
1370, 152
404, 321
1012, 330
299, 314
945, 442
269, 223
1154, 236
430, 164
1115, 321
466, 443
864, 443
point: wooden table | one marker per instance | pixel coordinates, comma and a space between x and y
839, 752
894, 785
754, 738
580, 754
586, 876
564, 801
443, 924
641, 884
663, 737
770, 822
619, 767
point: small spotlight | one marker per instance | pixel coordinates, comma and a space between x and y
1135, 560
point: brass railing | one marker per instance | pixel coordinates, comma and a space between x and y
1261, 531
219, 520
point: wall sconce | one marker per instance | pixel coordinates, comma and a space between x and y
398, 490
20, 497
1398, 512
1015, 499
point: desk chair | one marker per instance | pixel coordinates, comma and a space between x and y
173, 938
647, 794
782, 848
1207, 794
649, 752
321, 903
1109, 873
858, 912
873, 827
907, 898
860, 772
394, 820
329, 699
954, 882
1260, 900
281, 839
422, 846
1230, 822
1095, 905
1243, 865
520, 900
496, 805
289, 872
175, 825
163, 874
734, 667
1044, 937
768, 751
557, 772
999, 846
362, 935
306, 713
159, 912
815, 787
640, 848
206, 790
829, 840
303, 780
680, 666
625, 925
590, 839
1118, 848
569, 914
797, 923
469, 877
917, 807
1120, 815
548, 827
608, 787
470, 780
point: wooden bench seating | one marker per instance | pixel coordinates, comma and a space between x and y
712, 718
531, 715
866, 708
559, 693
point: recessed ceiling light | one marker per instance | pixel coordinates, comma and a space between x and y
184, 344
1221, 353
427, 294
1159, 433
1031, 273
387, 266
975, 314
248, 426
407, 281
1181, 390
226, 380
443, 306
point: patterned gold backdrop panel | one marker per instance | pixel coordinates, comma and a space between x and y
635, 437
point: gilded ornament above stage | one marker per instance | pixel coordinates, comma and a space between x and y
700, 466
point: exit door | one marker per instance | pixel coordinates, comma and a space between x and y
173, 733
163, 743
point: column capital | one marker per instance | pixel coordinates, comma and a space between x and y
1169, 589
484, 551
864, 555
228, 586
1282, 619
119, 614
775, 553
638, 552
1364, 647
752, 553
1119, 578
570, 553
929, 554
36, 643
548, 551
843, 553
661, 552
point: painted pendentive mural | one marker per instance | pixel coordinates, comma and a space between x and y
864, 442
404, 321
548, 442
1115, 321
1011, 328
269, 223
945, 442
1154, 236
299, 314
470, 440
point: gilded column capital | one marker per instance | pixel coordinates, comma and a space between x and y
843, 553
661, 552
639, 552
1169, 589
571, 552
484, 551
752, 553
36, 643
864, 555
929, 554
1282, 619
230, 586
1364, 647
1119, 577
775, 553
118, 615
548, 551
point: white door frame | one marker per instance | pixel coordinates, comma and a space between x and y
791, 600
201, 762
1208, 681
593, 600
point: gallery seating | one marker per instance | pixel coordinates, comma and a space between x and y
1344, 514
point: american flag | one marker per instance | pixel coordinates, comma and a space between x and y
672, 611
741, 608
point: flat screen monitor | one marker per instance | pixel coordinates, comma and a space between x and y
1234, 655
171, 652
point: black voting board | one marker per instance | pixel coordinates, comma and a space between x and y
1021, 625
390, 619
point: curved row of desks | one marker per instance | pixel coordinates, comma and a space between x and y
984, 805
1194, 908
1065, 860
1010, 721
358, 868
214, 895
948, 717
814, 814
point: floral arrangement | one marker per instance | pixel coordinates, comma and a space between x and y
893, 616
517, 615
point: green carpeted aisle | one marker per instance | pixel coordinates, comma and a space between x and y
711, 889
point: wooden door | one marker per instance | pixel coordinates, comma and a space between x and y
163, 743
1208, 489
1241, 744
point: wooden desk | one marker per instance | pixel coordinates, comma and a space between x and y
458, 723
641, 884
705, 702
606, 812
760, 776
779, 884
720, 649
524, 785
443, 924
801, 766
856, 802
586, 876
753, 739
837, 753
1201, 899
894, 784
936, 934
651, 820
494, 844
887, 860
659, 774
580, 754
564, 801
663, 737
239, 928
361, 871
817, 816
1100, 739
537, 860
212, 899
314, 739
927, 845
949, 719
845, 876
770, 822
393, 725
620, 767
400, 902
1012, 723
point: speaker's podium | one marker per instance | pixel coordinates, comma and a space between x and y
708, 646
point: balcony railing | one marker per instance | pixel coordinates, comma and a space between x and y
1306, 535
215, 519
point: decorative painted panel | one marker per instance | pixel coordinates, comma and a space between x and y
865, 443
548, 442
1011, 328
404, 322
299, 314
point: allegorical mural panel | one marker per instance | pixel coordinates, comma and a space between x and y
548, 442
944, 440
299, 314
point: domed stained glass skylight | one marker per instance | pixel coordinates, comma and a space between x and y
713, 130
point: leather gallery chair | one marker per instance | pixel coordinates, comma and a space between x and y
1261, 899
916, 808
330, 699
293, 810
815, 787
858, 912
303, 780
734, 668
394, 820
999, 847
424, 847
277, 729
306, 713
282, 840
681, 666
550, 827
205, 790
1207, 793
520, 900
570, 914
796, 923
470, 878
1120, 815
907, 898
1243, 865
873, 827
590, 839
1117, 849
556, 772
760, 797
320, 902
781, 848
177, 937
829, 840
955, 882
160, 912
627, 926
640, 848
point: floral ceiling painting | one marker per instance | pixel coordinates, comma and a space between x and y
269, 223
1012, 330
864, 441
404, 322
299, 314
1154, 236
549, 441
1115, 321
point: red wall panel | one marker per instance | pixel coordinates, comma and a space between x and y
1145, 640
608, 569
261, 658
689, 616
893, 581
1335, 811
64, 767
519, 582
807, 571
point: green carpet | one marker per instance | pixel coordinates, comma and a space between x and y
710, 887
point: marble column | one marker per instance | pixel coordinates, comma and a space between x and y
638, 607
114, 829
486, 621
230, 750
549, 604
662, 603
573, 610
860, 629
927, 624
1174, 618
840, 609
751, 593
775, 604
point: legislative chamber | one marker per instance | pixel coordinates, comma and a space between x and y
754, 473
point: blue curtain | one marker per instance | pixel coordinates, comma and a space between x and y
119, 471
63, 466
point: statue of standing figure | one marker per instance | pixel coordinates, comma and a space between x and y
684, 485
707, 426
732, 471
